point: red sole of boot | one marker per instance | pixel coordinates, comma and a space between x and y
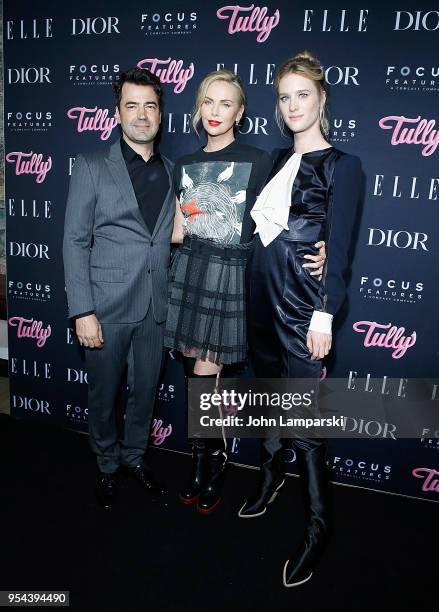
211, 509
188, 502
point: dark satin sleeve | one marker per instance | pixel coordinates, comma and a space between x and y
260, 171
346, 195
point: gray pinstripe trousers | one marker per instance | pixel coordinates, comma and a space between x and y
141, 346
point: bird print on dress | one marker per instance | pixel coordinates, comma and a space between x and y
213, 198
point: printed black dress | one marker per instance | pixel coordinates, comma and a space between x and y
206, 311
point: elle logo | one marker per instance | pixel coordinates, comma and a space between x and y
430, 478
390, 337
256, 21
92, 120
422, 132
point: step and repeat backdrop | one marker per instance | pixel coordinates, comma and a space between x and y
383, 79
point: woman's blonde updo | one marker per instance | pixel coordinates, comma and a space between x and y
305, 64
216, 75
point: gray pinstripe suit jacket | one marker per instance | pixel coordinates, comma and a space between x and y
112, 263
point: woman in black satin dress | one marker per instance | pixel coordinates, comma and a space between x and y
289, 311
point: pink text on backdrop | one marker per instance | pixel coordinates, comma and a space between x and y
423, 134
169, 71
30, 163
257, 21
430, 476
159, 433
30, 328
93, 120
390, 337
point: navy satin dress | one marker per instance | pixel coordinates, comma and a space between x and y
281, 295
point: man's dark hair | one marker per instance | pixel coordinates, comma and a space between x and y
138, 76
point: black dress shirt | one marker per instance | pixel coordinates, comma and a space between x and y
150, 182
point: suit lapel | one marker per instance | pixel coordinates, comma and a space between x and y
169, 198
118, 170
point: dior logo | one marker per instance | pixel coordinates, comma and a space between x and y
399, 239
31, 403
95, 25
253, 125
371, 429
342, 75
31, 250
417, 20
76, 376
29, 75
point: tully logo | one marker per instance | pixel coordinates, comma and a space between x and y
249, 19
30, 163
30, 328
430, 478
391, 337
92, 120
159, 433
169, 71
415, 131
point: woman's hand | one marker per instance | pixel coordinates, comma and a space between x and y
318, 344
318, 260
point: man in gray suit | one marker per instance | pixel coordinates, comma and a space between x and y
116, 250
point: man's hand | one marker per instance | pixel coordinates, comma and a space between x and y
89, 331
319, 260
318, 344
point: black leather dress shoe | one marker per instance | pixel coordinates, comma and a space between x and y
146, 479
106, 490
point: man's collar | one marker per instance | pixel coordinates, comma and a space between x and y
129, 154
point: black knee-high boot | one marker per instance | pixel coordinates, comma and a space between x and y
199, 471
211, 491
299, 567
271, 480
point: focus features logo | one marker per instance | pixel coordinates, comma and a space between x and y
343, 130
360, 469
169, 22
412, 78
391, 290
29, 121
76, 414
33, 291
94, 74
